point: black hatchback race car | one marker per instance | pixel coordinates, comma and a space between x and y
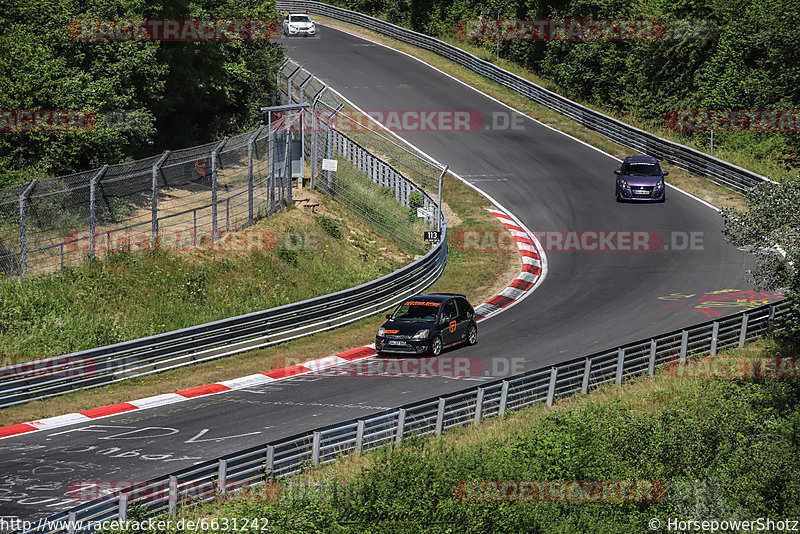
427, 324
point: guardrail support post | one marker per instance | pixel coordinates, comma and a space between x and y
23, 234
714, 338
214, 177
222, 478
684, 346
551, 388
315, 449
771, 320
270, 459
620, 364
173, 495
503, 398
72, 518
587, 372
154, 195
440, 416
651, 364
92, 210
401, 423
359, 437
743, 330
122, 505
478, 407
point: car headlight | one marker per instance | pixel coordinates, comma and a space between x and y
422, 334
660, 184
624, 183
381, 330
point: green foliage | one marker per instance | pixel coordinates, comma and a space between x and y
289, 255
177, 93
330, 226
771, 220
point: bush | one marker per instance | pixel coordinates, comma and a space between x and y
330, 226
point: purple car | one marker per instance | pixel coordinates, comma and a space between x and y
641, 178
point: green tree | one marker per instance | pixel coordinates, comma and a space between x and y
770, 227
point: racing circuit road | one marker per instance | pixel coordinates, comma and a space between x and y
589, 300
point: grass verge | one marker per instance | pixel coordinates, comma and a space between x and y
713, 448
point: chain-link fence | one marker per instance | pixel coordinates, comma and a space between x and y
177, 199
332, 129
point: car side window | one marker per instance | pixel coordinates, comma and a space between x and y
465, 308
450, 312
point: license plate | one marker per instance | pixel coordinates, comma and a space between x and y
640, 192
401, 343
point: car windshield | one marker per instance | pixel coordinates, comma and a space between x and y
299, 18
418, 311
641, 168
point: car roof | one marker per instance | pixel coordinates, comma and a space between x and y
435, 297
642, 159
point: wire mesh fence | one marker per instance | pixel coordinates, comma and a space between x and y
332, 129
177, 199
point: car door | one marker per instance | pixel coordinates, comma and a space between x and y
449, 322
465, 315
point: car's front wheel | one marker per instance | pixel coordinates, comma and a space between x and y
436, 346
472, 335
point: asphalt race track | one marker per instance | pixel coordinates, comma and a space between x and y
589, 300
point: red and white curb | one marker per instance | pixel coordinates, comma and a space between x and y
527, 279
518, 289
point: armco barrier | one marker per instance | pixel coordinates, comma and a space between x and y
679, 155
207, 481
139, 357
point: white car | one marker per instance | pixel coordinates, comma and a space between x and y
298, 24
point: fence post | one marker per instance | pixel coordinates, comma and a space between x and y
270, 459
93, 209
620, 364
771, 320
359, 437
478, 407
154, 195
714, 338
440, 416
173, 495
72, 518
287, 166
250, 142
23, 234
684, 346
302, 130
587, 371
214, 157
314, 122
315, 449
551, 388
122, 506
222, 478
401, 423
503, 398
743, 330
651, 364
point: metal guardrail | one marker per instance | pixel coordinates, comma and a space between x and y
209, 480
681, 156
105, 365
